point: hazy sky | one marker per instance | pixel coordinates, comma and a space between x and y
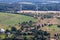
31, 1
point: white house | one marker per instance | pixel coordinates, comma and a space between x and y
2, 30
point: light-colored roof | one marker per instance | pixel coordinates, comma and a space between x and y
2, 30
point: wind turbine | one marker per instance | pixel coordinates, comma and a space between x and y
21, 4
37, 10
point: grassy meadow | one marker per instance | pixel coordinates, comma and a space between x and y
9, 18
51, 29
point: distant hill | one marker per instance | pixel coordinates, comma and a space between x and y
42, 6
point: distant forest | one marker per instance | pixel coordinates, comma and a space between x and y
41, 7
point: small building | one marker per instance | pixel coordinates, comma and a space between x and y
2, 30
52, 39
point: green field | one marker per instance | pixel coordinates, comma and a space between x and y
51, 29
9, 18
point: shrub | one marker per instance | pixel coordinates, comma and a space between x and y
58, 26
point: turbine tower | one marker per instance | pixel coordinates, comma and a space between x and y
37, 10
21, 4
21, 7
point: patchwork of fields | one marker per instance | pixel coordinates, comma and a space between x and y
7, 19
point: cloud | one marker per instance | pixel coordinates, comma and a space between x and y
53, 1
44, 3
25, 3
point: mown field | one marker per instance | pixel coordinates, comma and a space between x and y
11, 19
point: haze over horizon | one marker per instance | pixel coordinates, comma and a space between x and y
47, 1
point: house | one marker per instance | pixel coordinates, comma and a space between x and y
2, 30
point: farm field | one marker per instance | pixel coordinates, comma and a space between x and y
51, 29
11, 19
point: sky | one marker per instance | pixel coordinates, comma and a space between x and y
49, 1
